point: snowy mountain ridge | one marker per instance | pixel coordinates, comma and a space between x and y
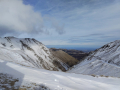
103, 61
29, 52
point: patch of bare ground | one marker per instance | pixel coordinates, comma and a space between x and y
64, 57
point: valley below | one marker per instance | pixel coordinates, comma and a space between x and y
79, 55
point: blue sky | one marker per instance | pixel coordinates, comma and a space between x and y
89, 23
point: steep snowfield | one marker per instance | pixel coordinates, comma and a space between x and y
29, 52
29, 78
103, 61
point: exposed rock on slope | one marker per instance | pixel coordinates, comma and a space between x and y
103, 61
79, 55
69, 60
29, 52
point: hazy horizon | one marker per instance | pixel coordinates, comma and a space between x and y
74, 47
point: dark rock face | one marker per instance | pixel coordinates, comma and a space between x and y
79, 55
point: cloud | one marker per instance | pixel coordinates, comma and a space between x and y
54, 25
95, 37
79, 21
85, 21
95, 21
16, 17
59, 28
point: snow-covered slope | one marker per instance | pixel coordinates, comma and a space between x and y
103, 61
15, 76
29, 52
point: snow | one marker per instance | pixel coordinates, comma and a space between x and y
28, 52
103, 61
23, 62
56, 80
97, 67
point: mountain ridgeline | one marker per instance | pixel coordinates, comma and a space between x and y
32, 53
103, 61
23, 62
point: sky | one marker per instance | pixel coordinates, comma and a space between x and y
88, 23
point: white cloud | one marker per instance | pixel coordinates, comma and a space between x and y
15, 16
103, 18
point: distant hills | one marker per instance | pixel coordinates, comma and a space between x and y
79, 55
